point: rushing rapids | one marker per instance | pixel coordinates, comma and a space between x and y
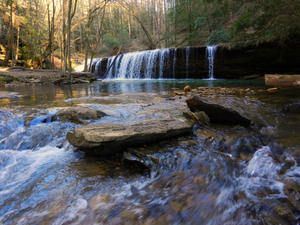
247, 176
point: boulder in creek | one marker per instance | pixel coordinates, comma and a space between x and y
77, 114
104, 139
217, 113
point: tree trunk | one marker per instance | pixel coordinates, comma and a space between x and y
64, 38
69, 38
18, 43
10, 37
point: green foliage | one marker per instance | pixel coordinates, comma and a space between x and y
110, 41
233, 21
114, 42
200, 22
217, 37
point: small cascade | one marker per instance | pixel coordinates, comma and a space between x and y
187, 57
210, 54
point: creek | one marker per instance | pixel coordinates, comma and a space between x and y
216, 175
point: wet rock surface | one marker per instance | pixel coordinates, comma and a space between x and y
79, 114
112, 138
293, 107
217, 113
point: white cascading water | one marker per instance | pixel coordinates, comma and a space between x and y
188, 50
138, 65
151, 62
130, 66
164, 55
109, 67
210, 53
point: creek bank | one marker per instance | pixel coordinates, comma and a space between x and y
19, 76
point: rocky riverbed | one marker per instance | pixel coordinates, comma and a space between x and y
174, 162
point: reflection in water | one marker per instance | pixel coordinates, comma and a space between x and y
55, 95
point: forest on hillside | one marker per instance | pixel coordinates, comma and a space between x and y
56, 33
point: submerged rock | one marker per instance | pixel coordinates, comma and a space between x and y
77, 114
293, 107
187, 89
112, 138
217, 113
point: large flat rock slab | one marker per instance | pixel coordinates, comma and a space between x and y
106, 139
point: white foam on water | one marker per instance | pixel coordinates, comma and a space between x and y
18, 168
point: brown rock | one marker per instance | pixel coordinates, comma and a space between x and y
199, 117
179, 93
217, 113
77, 114
187, 88
112, 138
272, 90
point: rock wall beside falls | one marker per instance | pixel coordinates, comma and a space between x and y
192, 63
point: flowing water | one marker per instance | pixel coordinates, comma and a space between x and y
210, 52
187, 60
138, 65
196, 179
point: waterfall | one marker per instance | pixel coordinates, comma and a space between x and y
150, 66
210, 53
182, 63
174, 62
187, 57
139, 65
98, 65
164, 54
